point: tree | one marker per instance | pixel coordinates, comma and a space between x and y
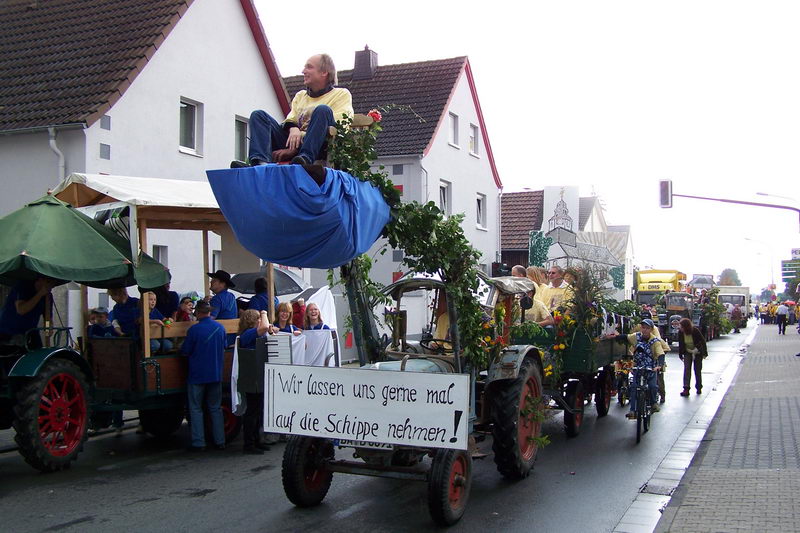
766, 295
729, 277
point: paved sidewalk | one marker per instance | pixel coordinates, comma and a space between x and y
746, 474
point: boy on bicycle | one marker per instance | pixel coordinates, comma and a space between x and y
648, 353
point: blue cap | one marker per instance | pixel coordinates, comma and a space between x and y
648, 322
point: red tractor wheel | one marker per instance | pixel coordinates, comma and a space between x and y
515, 424
604, 387
574, 397
230, 422
449, 483
52, 416
305, 479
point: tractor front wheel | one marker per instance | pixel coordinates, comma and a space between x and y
516, 421
305, 479
52, 416
449, 483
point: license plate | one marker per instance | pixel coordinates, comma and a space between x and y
364, 444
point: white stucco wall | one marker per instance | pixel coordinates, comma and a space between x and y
28, 167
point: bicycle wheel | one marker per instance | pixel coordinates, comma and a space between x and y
640, 413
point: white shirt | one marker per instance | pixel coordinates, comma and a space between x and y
782, 310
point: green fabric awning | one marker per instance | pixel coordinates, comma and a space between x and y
48, 237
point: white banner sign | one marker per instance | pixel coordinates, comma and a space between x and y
405, 408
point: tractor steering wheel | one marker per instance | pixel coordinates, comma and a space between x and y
436, 345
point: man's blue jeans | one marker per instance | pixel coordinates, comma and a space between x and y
268, 135
651, 379
213, 396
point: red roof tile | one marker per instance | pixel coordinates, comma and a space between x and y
68, 61
520, 212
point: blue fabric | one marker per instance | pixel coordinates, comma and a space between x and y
126, 314
281, 215
259, 302
223, 306
290, 328
247, 340
97, 330
11, 322
155, 314
213, 395
204, 344
651, 380
318, 326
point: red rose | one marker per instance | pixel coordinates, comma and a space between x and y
375, 114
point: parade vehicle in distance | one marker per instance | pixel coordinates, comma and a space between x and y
651, 286
736, 295
508, 399
678, 305
51, 396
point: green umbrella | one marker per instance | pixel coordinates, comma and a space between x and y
50, 238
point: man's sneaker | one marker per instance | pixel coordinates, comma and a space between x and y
631, 415
663, 399
685, 392
239, 164
655, 408
301, 160
700, 391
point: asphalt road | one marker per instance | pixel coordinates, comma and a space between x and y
134, 483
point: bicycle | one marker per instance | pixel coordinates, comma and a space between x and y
644, 405
622, 377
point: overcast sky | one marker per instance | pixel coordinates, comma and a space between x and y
612, 97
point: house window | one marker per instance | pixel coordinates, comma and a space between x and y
454, 129
480, 206
240, 148
397, 170
473, 139
216, 260
105, 151
105, 123
445, 197
160, 254
191, 127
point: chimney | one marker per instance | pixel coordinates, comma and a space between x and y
365, 65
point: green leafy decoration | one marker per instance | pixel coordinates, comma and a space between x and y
538, 248
618, 276
432, 242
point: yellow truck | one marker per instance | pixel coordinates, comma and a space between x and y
653, 283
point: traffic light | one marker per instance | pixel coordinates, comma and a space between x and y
665, 193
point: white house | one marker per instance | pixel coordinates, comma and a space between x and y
151, 88
434, 147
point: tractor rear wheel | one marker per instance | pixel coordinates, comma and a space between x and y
604, 386
52, 416
516, 421
230, 422
449, 483
574, 397
305, 479
162, 422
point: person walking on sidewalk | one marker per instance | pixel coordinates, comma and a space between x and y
781, 314
691, 350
